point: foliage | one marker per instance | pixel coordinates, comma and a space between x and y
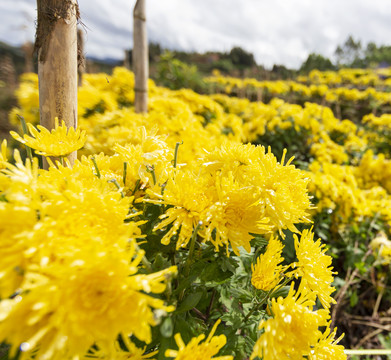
174, 74
241, 57
316, 61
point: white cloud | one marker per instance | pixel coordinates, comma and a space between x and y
282, 31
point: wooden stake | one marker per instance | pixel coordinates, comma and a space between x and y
81, 65
27, 48
140, 57
56, 43
127, 59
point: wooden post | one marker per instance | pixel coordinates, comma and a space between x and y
56, 43
81, 65
27, 48
8, 72
127, 59
140, 57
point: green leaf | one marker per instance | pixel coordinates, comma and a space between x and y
213, 272
258, 242
353, 299
189, 302
281, 292
229, 264
242, 294
166, 343
167, 327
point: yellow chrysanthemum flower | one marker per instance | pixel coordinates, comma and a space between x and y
71, 262
151, 155
235, 214
187, 211
118, 352
382, 248
314, 267
61, 141
293, 330
327, 347
281, 188
266, 274
63, 310
195, 350
3, 154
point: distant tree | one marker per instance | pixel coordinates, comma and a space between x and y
224, 65
375, 55
282, 72
241, 57
154, 51
349, 54
316, 61
175, 74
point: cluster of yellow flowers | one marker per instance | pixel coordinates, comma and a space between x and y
74, 282
358, 77
70, 270
70, 262
71, 266
355, 188
317, 89
237, 190
296, 312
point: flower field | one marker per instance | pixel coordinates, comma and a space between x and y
249, 223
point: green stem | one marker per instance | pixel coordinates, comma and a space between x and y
266, 297
368, 352
151, 169
176, 153
190, 257
96, 167
25, 131
145, 261
281, 285
257, 306
136, 186
125, 172
191, 249
117, 185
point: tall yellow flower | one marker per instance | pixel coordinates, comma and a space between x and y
293, 330
61, 141
118, 352
3, 154
327, 347
382, 248
282, 189
236, 212
314, 267
151, 154
186, 211
195, 350
266, 274
64, 310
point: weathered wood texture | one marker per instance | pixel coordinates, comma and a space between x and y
27, 48
140, 57
81, 66
56, 43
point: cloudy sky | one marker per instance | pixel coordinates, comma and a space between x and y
275, 31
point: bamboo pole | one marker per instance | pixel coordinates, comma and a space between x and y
140, 57
56, 43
